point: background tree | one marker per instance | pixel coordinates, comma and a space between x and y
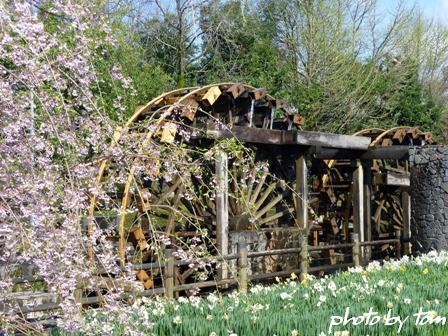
345, 65
170, 36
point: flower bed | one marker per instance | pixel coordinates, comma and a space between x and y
408, 294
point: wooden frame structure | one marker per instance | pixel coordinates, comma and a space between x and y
363, 184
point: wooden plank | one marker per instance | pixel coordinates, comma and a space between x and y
281, 104
315, 238
236, 90
139, 236
334, 225
258, 93
189, 108
169, 130
222, 210
142, 276
392, 179
298, 120
211, 95
387, 142
427, 136
400, 135
413, 132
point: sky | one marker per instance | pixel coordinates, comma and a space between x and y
435, 9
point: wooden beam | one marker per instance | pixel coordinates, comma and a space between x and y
392, 179
406, 206
358, 201
332, 140
302, 194
222, 210
294, 137
254, 135
385, 153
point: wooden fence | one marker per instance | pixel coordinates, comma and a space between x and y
240, 278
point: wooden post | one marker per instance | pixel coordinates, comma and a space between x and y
176, 280
406, 205
169, 274
78, 293
302, 213
358, 202
398, 245
222, 211
302, 195
367, 167
303, 257
121, 229
347, 211
356, 249
242, 267
271, 119
251, 112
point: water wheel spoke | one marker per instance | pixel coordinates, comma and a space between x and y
172, 216
211, 207
186, 274
268, 207
265, 195
276, 216
168, 191
260, 184
250, 185
160, 210
233, 198
198, 209
235, 189
399, 223
377, 215
396, 204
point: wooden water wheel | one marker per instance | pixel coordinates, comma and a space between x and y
389, 178
161, 198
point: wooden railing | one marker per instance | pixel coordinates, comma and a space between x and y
240, 277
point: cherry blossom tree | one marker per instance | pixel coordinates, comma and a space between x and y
52, 130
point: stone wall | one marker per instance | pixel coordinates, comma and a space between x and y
429, 197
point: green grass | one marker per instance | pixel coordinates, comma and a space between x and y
287, 307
